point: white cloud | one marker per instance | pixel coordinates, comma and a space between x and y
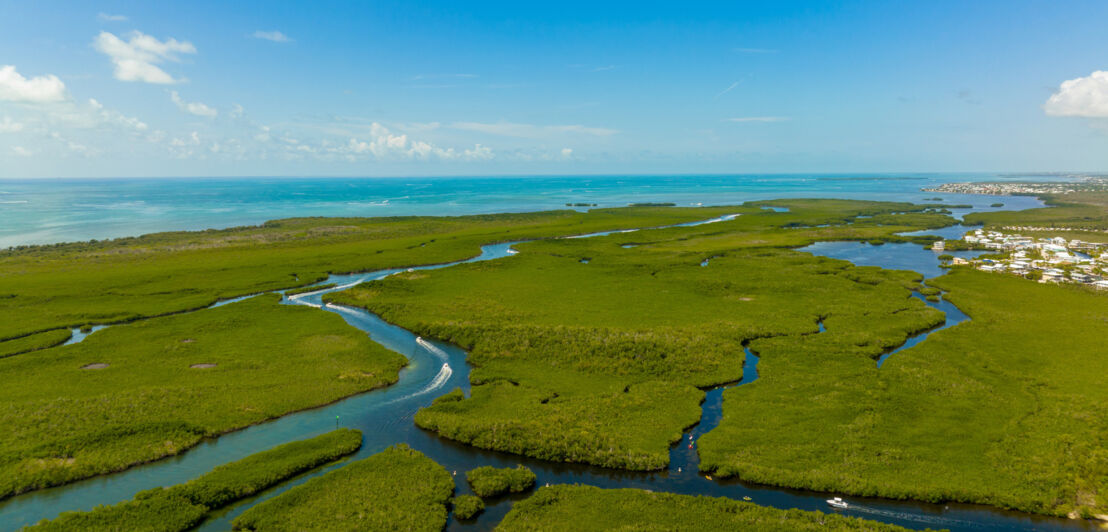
237, 111
21, 151
755, 50
383, 144
137, 58
9, 126
509, 129
111, 18
274, 36
758, 119
567, 152
112, 116
42, 89
1084, 97
195, 108
478, 153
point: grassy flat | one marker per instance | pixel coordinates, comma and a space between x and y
184, 506
601, 362
1006, 409
586, 508
69, 285
64, 423
1074, 212
34, 342
396, 489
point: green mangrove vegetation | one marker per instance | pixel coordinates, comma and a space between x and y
1074, 212
603, 362
467, 506
490, 481
138, 392
396, 489
34, 342
183, 506
926, 425
69, 285
587, 508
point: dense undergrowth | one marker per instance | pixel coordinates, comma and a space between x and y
490, 481
183, 506
601, 362
70, 285
1006, 409
467, 506
259, 360
586, 508
396, 489
34, 342
1085, 210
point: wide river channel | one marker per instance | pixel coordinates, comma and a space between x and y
385, 418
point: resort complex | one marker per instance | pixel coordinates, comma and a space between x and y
1053, 260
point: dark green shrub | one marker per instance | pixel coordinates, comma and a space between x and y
396, 489
468, 506
489, 481
185, 505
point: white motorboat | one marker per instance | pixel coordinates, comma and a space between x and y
838, 502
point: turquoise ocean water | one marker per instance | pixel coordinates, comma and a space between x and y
42, 211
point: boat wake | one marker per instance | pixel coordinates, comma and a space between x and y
431, 347
441, 378
919, 518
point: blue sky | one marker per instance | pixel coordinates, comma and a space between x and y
465, 88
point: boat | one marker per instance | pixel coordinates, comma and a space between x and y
838, 502
747, 498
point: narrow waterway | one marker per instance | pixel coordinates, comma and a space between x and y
385, 418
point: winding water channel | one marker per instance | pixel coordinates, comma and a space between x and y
385, 418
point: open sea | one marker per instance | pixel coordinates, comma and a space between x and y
43, 211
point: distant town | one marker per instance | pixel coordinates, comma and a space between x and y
1085, 184
1047, 260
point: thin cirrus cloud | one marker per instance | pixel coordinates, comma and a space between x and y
10, 126
509, 129
14, 87
729, 88
746, 119
106, 17
194, 108
1085, 97
137, 58
274, 36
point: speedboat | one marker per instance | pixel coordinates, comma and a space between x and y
837, 502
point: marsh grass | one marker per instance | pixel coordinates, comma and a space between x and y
488, 481
603, 363
183, 506
69, 285
467, 506
586, 508
1005, 409
34, 342
63, 423
396, 489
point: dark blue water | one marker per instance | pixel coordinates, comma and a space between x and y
38, 211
